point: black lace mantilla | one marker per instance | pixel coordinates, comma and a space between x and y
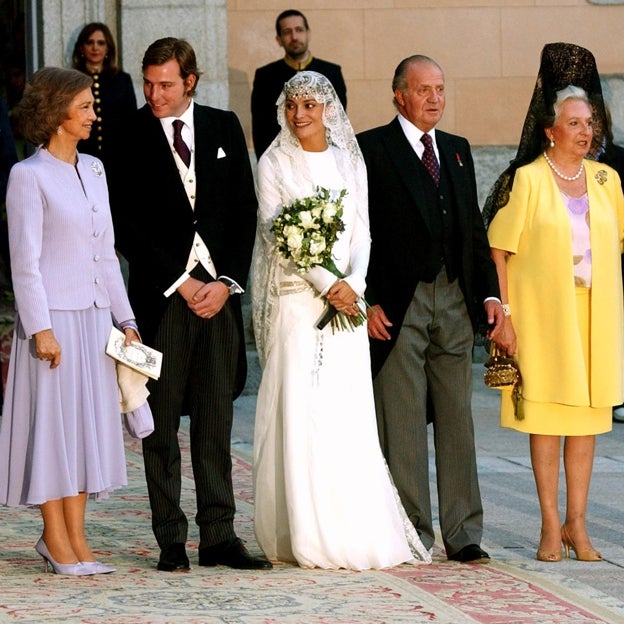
562, 64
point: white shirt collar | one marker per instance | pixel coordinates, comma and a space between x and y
187, 130
414, 134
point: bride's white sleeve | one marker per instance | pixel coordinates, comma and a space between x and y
360, 243
321, 279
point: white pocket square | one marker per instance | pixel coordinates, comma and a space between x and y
220, 153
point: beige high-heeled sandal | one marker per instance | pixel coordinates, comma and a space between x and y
585, 554
550, 556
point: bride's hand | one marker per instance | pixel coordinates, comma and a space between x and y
343, 298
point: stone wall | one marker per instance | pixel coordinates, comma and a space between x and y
203, 23
489, 50
136, 24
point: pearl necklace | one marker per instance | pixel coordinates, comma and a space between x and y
561, 175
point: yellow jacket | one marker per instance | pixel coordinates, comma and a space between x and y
534, 226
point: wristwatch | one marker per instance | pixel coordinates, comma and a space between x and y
231, 285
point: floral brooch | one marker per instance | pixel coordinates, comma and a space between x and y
601, 176
97, 169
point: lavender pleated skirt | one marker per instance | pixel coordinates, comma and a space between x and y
61, 431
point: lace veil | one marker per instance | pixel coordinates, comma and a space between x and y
562, 64
295, 181
338, 129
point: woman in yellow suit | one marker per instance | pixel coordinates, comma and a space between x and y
557, 242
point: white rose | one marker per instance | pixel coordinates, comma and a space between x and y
329, 212
307, 220
317, 245
289, 230
294, 240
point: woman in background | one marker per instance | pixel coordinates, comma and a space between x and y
95, 54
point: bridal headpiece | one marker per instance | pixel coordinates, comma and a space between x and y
310, 84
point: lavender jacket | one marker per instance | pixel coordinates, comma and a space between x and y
61, 240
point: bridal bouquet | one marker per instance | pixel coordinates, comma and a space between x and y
305, 231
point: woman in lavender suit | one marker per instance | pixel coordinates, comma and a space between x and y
61, 438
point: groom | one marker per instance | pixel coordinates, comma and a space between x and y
186, 224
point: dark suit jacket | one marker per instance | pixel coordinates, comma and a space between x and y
401, 232
268, 84
154, 221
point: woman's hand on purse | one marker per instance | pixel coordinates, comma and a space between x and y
505, 338
131, 336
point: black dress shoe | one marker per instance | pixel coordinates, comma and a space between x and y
232, 554
470, 554
173, 559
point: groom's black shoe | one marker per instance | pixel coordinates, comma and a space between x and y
470, 554
173, 559
232, 554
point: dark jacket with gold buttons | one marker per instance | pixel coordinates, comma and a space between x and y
115, 101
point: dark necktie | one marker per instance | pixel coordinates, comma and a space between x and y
178, 142
429, 158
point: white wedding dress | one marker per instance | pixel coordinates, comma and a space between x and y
323, 494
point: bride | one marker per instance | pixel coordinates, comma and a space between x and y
323, 494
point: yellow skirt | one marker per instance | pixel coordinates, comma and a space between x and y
556, 418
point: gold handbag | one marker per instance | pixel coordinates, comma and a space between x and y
502, 371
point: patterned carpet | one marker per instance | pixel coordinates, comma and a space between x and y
119, 529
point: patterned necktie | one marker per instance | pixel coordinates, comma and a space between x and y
178, 142
429, 158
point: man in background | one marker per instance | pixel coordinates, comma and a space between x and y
293, 34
